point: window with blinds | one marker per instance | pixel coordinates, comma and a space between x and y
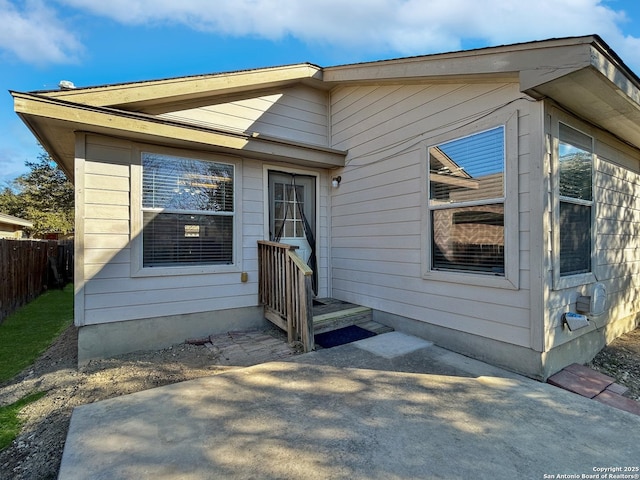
187, 210
466, 203
575, 189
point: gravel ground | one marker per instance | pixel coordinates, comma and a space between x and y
37, 452
621, 360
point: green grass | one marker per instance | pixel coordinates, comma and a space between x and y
26, 333
10, 422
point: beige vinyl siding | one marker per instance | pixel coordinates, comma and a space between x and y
106, 209
110, 293
617, 179
378, 212
252, 216
297, 113
408, 113
618, 217
106, 226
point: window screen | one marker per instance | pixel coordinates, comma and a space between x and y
188, 211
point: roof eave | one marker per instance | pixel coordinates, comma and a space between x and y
11, 220
55, 122
603, 91
503, 61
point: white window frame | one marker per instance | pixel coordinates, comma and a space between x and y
569, 281
510, 279
137, 268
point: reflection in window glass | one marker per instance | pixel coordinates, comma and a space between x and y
574, 164
466, 199
186, 184
575, 188
469, 238
471, 168
188, 211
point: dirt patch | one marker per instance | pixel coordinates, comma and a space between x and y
37, 452
621, 360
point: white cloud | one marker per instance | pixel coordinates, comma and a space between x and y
403, 27
406, 26
35, 35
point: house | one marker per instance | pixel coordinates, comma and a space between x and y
473, 198
13, 227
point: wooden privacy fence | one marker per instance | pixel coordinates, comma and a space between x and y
285, 290
28, 267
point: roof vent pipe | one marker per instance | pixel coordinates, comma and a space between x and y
66, 85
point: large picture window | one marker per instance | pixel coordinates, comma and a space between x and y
466, 203
187, 211
575, 173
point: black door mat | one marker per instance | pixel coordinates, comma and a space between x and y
341, 336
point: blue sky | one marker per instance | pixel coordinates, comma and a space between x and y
96, 42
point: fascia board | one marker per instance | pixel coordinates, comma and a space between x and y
626, 83
490, 63
589, 57
175, 89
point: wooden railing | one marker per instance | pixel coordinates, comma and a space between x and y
285, 290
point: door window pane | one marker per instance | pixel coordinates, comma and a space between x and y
288, 202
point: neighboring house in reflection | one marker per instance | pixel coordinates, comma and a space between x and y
472, 198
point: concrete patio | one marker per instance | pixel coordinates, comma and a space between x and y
388, 407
